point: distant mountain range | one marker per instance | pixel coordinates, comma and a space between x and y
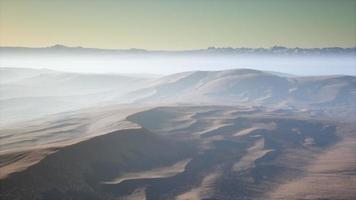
276, 50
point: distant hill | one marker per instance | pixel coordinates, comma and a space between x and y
31, 93
25, 91
250, 86
276, 50
253, 87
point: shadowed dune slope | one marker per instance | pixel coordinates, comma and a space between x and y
76, 171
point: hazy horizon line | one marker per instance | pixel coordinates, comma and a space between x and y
171, 50
276, 72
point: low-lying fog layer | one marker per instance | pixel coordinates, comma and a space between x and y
168, 64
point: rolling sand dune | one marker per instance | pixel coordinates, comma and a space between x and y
256, 126
292, 141
160, 172
19, 161
59, 129
198, 121
83, 166
27, 94
55, 132
171, 120
253, 87
138, 194
204, 190
331, 176
253, 153
215, 126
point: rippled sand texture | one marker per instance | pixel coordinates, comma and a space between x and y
331, 176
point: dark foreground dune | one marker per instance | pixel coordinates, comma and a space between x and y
76, 171
24, 144
205, 152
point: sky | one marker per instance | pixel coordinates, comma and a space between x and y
178, 24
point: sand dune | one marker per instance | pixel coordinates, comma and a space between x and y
234, 153
94, 161
57, 131
160, 172
24, 92
253, 153
256, 126
204, 190
138, 194
331, 176
19, 161
251, 87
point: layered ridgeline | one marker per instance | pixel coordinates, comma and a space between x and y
47, 92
